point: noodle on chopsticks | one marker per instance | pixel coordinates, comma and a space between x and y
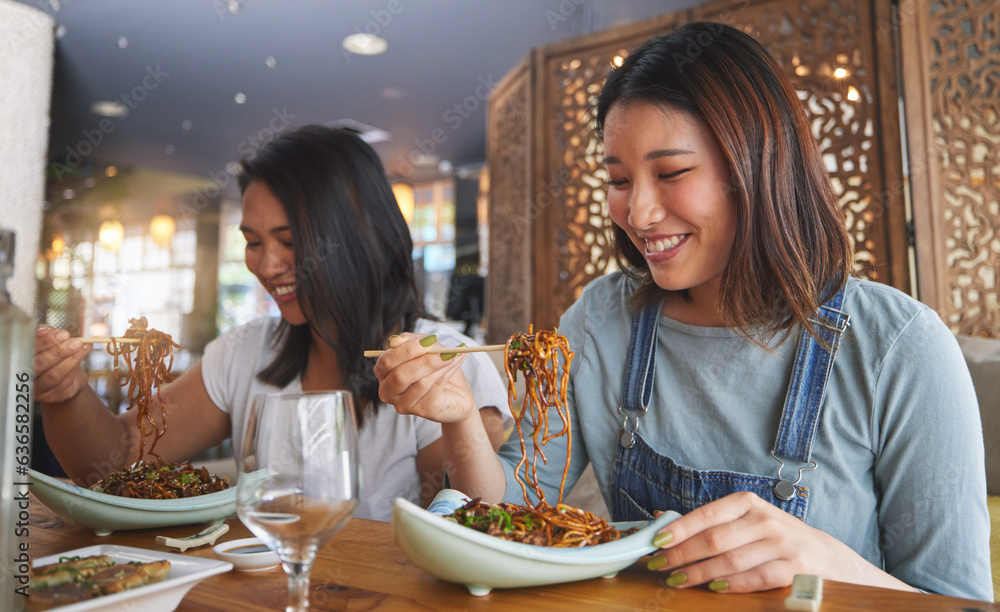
154, 357
148, 364
543, 359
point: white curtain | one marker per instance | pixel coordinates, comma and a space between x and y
27, 39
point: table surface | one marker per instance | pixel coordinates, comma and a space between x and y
362, 569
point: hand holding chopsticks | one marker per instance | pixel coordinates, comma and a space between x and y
456, 349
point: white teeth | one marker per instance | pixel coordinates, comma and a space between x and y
284, 290
655, 246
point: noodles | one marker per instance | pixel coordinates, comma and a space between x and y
148, 480
148, 364
153, 360
539, 357
561, 526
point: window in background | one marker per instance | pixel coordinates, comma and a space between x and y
94, 291
433, 232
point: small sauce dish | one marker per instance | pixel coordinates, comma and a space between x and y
247, 555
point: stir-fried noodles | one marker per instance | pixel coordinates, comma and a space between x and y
148, 363
154, 357
160, 480
543, 359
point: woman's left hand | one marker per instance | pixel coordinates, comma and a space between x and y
741, 543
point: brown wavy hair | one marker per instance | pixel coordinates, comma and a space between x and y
791, 252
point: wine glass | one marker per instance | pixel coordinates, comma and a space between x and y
298, 477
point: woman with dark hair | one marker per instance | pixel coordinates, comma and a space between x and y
326, 239
801, 420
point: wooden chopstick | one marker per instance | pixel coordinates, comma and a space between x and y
456, 349
107, 340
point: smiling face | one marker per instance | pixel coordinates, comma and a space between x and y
269, 253
669, 189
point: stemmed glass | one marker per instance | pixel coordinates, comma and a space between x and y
298, 477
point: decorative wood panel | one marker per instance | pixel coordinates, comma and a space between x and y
951, 56
570, 183
854, 116
509, 290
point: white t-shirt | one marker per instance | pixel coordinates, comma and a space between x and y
388, 441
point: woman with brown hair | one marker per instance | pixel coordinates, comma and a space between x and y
325, 238
801, 420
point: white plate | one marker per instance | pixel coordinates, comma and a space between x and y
107, 513
185, 572
483, 562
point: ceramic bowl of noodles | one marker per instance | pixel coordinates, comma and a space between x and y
105, 513
482, 562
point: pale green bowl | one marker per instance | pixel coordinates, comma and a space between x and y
108, 513
482, 562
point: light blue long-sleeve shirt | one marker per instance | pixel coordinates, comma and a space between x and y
899, 447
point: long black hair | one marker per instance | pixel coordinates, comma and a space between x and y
354, 274
792, 250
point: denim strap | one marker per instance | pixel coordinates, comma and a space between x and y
640, 367
810, 373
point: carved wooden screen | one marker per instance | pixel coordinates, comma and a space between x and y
951, 59
812, 38
509, 290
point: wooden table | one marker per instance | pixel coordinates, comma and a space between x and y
362, 569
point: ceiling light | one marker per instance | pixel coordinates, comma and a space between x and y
362, 43
111, 234
424, 160
366, 132
161, 229
240, 97
109, 108
58, 244
840, 73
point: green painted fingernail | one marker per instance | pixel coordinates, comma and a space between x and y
428, 340
662, 539
676, 580
447, 356
718, 585
657, 562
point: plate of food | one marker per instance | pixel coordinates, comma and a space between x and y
486, 546
106, 513
109, 577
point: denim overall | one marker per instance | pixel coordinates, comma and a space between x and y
643, 481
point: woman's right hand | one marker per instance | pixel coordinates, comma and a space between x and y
58, 375
426, 385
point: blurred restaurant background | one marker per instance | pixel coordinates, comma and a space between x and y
122, 124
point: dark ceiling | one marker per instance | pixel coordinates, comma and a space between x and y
180, 66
